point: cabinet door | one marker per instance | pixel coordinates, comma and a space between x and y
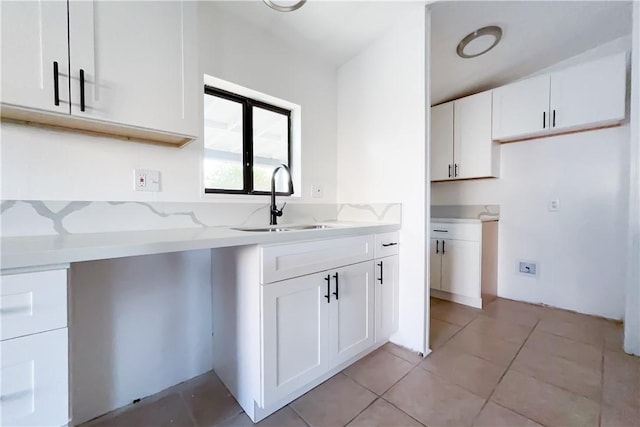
295, 327
351, 315
441, 153
139, 60
34, 36
589, 94
387, 289
473, 148
461, 267
35, 380
435, 265
521, 109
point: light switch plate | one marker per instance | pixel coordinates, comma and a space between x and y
146, 180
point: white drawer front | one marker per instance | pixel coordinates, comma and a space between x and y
32, 303
444, 230
34, 380
387, 244
297, 259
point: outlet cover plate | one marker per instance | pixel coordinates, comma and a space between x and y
146, 180
528, 268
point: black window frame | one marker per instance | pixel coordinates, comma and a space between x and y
247, 140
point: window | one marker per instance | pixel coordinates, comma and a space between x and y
244, 141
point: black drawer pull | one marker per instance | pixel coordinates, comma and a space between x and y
441, 231
449, 171
328, 295
335, 276
381, 273
554, 118
56, 87
443, 247
544, 119
389, 244
437, 246
81, 90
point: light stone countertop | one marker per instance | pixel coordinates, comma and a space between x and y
38, 251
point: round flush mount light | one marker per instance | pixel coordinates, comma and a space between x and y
479, 42
281, 7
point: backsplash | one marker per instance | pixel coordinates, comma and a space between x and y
36, 218
466, 211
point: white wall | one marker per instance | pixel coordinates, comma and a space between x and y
579, 249
138, 325
43, 164
381, 150
240, 53
632, 308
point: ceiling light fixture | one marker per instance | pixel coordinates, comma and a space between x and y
281, 8
479, 42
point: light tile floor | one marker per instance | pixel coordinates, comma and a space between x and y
511, 364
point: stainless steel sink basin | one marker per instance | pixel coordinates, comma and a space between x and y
277, 229
310, 227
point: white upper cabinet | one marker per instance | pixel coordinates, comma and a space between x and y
589, 94
139, 62
521, 109
585, 96
34, 39
474, 152
442, 142
461, 143
124, 68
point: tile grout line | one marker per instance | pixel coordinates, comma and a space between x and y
505, 373
297, 413
189, 412
379, 396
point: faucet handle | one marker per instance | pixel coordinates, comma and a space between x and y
281, 209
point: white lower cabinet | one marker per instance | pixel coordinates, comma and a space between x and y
34, 372
313, 323
463, 261
387, 294
35, 380
277, 337
295, 333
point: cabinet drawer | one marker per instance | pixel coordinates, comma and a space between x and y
387, 244
33, 302
297, 259
445, 230
35, 380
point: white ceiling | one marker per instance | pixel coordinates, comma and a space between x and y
536, 34
334, 30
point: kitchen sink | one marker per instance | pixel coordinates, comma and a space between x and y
277, 229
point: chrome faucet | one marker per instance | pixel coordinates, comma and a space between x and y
274, 212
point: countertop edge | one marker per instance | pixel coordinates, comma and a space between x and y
39, 251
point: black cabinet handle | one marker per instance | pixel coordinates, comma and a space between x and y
455, 171
56, 87
81, 90
443, 247
449, 171
437, 246
335, 276
381, 273
389, 244
544, 119
554, 118
328, 295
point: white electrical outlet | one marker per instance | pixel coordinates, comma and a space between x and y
528, 268
554, 205
146, 180
316, 191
